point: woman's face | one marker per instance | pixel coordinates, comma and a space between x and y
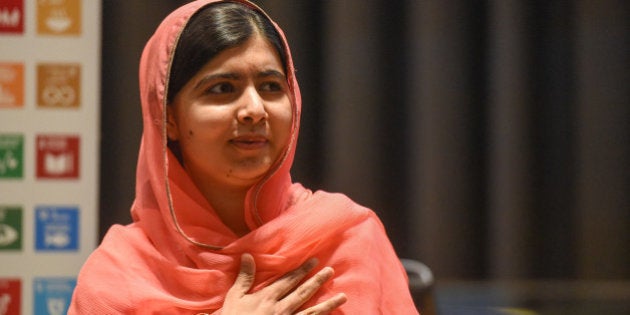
233, 118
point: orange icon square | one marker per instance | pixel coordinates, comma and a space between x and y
59, 17
11, 85
58, 85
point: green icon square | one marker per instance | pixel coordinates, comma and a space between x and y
10, 228
11, 156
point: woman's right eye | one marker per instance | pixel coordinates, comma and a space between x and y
221, 88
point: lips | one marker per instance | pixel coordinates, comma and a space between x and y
249, 142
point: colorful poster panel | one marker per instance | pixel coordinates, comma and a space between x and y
10, 228
58, 85
52, 296
10, 296
56, 228
11, 156
58, 17
57, 156
12, 17
11, 84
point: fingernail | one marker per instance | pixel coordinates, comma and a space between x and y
342, 297
328, 271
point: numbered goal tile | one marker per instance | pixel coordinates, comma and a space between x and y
58, 85
10, 228
11, 156
12, 17
10, 296
57, 156
52, 296
59, 17
56, 228
11, 84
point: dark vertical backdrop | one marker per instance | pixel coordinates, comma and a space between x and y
492, 137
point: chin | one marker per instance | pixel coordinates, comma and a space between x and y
251, 170
249, 176
252, 177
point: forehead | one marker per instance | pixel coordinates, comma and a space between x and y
256, 53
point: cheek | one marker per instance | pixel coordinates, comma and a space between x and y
187, 131
284, 119
286, 110
192, 132
203, 123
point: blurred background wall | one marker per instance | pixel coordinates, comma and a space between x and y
492, 137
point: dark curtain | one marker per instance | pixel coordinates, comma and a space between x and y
492, 137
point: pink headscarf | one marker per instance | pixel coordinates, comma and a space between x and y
178, 257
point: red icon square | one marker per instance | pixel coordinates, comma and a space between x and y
58, 156
12, 16
10, 296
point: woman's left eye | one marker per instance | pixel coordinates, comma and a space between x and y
271, 87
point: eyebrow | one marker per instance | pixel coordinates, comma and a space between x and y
272, 73
235, 76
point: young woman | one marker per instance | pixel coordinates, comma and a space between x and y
219, 227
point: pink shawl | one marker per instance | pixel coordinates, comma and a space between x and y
177, 257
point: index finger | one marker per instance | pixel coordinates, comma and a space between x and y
307, 289
246, 275
290, 280
327, 306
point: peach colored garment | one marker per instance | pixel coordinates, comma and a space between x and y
177, 257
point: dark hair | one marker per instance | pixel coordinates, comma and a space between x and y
210, 31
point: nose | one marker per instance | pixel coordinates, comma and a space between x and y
253, 109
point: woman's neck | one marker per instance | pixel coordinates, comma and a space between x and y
229, 204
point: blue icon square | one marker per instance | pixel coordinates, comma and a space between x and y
52, 296
56, 228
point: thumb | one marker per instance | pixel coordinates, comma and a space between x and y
245, 278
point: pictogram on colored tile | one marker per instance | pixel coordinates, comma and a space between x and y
10, 228
52, 296
56, 228
58, 85
12, 17
57, 156
59, 17
11, 156
10, 296
11, 84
